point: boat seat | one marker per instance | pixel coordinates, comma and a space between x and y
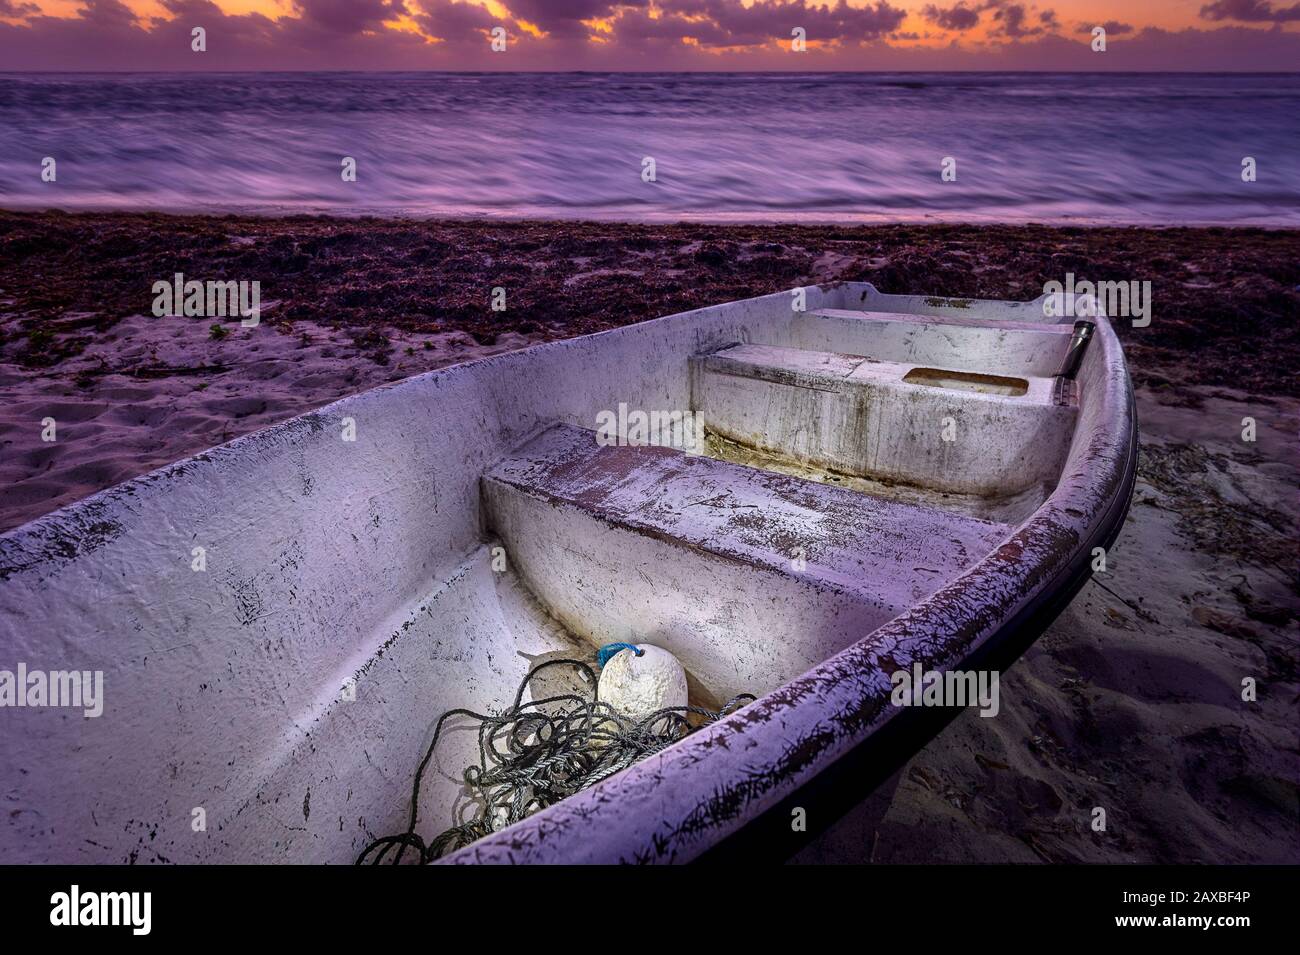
962, 344
915, 423
749, 577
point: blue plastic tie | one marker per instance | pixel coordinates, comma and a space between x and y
606, 653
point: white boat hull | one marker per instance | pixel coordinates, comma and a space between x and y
352, 590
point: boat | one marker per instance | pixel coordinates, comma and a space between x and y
798, 495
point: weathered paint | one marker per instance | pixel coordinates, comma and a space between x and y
638, 683
862, 417
748, 577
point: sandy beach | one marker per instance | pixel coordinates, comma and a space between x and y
1130, 702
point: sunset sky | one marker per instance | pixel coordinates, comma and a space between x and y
1197, 35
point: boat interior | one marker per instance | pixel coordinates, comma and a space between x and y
845, 473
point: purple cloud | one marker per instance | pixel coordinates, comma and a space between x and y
738, 25
16, 11
1250, 11
348, 16
106, 13
563, 18
455, 21
1014, 21
1112, 27
960, 17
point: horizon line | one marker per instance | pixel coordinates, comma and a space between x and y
633, 72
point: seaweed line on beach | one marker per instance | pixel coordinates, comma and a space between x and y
1229, 296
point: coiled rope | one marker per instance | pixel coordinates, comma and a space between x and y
548, 754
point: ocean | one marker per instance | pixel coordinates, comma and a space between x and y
1152, 149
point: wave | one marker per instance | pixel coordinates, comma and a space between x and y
1148, 149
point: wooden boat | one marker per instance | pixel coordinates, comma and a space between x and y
883, 481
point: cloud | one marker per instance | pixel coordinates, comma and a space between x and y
347, 16
1012, 18
730, 23
688, 34
1250, 11
106, 13
17, 10
455, 21
960, 17
1014, 22
563, 18
1112, 27
635, 28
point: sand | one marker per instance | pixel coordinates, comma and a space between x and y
184, 393
1130, 702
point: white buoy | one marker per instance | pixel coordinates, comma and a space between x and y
636, 686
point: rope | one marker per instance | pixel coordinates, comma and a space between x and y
606, 653
547, 756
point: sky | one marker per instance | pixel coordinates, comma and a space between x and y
1141, 35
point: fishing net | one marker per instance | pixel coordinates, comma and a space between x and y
534, 754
